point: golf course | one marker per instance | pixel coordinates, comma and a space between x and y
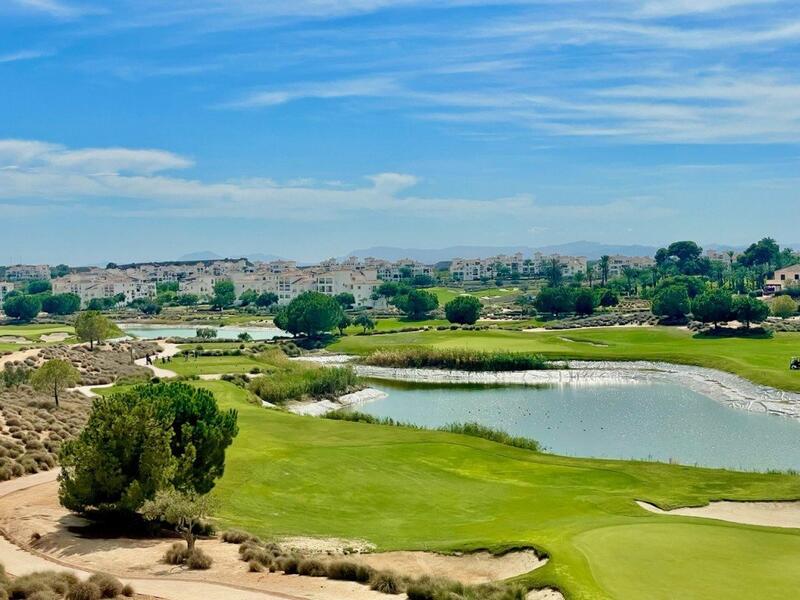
407, 489
761, 359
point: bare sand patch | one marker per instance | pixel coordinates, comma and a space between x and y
13, 339
66, 538
471, 569
769, 514
54, 337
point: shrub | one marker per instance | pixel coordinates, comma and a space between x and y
316, 382
84, 590
346, 570
198, 560
44, 595
110, 586
386, 582
177, 554
236, 536
255, 567
459, 359
127, 590
288, 564
783, 306
311, 567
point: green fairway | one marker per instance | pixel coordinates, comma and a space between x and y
32, 333
764, 361
209, 365
407, 489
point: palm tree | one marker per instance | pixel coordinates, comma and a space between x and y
604, 260
590, 275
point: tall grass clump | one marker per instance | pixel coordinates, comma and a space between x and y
316, 382
494, 435
457, 359
472, 429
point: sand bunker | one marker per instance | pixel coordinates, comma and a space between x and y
12, 339
474, 568
769, 514
54, 337
63, 536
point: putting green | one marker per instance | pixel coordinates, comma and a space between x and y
408, 489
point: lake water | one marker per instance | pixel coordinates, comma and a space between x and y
655, 421
151, 332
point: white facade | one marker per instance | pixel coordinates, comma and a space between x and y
28, 272
104, 283
617, 264
475, 269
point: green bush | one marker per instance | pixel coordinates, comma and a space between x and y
177, 554
294, 385
311, 567
110, 586
347, 570
494, 435
84, 591
458, 359
386, 582
237, 536
198, 560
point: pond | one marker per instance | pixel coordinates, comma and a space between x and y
643, 420
151, 332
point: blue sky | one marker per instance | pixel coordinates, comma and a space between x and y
144, 129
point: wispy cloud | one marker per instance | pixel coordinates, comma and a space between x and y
23, 55
53, 8
130, 182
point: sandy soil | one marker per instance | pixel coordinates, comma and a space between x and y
54, 337
770, 514
62, 537
13, 339
20, 355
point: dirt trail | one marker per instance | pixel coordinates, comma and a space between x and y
168, 350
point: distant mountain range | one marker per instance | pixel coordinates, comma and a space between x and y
591, 250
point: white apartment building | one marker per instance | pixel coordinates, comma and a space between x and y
359, 282
104, 283
617, 264
727, 258
475, 269
182, 270
28, 272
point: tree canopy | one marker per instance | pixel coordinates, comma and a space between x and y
416, 304
54, 377
463, 309
671, 302
61, 304
22, 307
556, 300
713, 306
143, 441
91, 326
749, 310
224, 294
310, 313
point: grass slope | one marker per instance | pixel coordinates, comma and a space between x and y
407, 489
764, 361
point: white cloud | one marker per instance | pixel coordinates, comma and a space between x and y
37, 172
54, 8
23, 55
53, 157
365, 87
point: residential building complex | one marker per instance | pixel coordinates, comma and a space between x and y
104, 283
27, 273
618, 263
